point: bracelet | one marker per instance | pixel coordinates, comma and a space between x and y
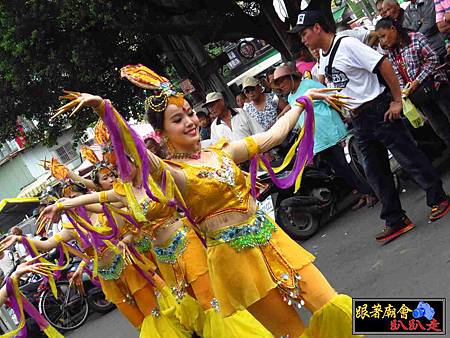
301, 104
102, 197
82, 264
60, 205
57, 237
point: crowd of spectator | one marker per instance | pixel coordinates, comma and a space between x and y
403, 56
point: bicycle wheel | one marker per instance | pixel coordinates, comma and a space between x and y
66, 312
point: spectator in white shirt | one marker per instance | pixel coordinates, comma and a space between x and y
231, 123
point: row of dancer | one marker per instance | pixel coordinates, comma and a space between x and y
150, 306
250, 267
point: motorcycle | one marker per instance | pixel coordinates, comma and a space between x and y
320, 197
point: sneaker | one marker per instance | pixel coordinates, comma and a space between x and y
439, 211
390, 233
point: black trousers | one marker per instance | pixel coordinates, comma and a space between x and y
374, 135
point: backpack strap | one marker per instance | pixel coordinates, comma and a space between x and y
328, 70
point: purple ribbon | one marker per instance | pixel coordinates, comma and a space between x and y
34, 313
304, 153
111, 122
138, 269
85, 243
119, 148
112, 223
14, 304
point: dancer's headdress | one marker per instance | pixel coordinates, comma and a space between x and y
100, 166
163, 92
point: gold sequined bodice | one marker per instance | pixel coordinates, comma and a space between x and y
212, 191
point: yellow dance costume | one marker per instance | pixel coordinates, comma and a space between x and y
134, 296
181, 259
249, 255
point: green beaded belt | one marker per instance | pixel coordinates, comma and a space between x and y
258, 231
177, 244
114, 270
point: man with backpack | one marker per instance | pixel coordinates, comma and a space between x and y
368, 77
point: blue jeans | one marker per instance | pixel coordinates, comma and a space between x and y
374, 136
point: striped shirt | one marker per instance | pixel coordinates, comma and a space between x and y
442, 7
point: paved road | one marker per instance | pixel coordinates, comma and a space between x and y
415, 265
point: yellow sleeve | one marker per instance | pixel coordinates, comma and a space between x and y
252, 146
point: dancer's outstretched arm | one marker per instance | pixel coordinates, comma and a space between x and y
64, 235
275, 135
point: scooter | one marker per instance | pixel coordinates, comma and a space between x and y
320, 197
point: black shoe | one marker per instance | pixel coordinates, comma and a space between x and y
390, 233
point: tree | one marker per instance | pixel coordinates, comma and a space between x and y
49, 45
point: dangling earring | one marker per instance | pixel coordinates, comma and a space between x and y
168, 145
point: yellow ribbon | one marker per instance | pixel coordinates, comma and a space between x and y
18, 297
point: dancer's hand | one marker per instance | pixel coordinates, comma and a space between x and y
334, 100
33, 266
77, 281
8, 241
77, 100
127, 255
50, 214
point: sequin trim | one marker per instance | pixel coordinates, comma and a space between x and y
179, 291
215, 304
145, 204
169, 253
250, 235
156, 312
143, 245
115, 269
224, 174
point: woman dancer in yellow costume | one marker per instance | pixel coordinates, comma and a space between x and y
121, 283
253, 264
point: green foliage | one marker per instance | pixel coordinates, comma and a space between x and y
50, 45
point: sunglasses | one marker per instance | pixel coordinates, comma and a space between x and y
249, 89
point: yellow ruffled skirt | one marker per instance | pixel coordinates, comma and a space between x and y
241, 278
163, 326
191, 268
190, 265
